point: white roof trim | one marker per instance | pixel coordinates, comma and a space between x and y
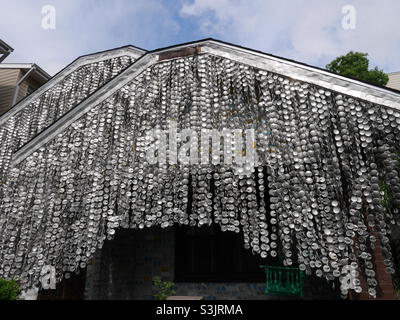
16, 65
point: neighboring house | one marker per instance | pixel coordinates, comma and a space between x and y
394, 80
17, 80
5, 50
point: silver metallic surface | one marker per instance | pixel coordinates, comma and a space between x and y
248, 57
102, 94
89, 59
306, 73
325, 188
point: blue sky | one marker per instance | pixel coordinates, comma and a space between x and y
309, 31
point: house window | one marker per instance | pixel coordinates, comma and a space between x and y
207, 254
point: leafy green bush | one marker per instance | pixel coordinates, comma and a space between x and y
165, 288
9, 289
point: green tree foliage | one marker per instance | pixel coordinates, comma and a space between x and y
355, 65
165, 288
9, 290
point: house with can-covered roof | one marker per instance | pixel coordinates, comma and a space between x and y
199, 163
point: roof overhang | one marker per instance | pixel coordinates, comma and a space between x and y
37, 73
5, 48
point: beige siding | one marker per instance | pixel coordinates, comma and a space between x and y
8, 80
394, 81
23, 88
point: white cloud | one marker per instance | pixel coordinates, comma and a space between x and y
306, 30
82, 27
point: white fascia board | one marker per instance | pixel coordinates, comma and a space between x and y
16, 65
